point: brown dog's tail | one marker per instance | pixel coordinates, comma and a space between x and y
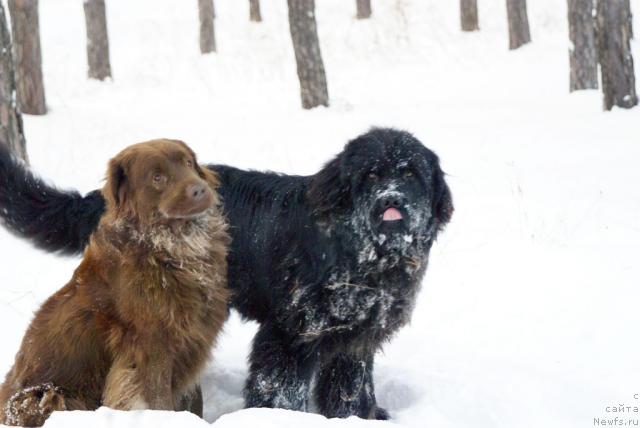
52, 219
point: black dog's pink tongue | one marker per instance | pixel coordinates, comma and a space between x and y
391, 214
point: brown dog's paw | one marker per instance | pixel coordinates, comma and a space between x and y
33, 405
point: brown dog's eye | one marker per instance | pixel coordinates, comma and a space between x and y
189, 164
373, 176
157, 177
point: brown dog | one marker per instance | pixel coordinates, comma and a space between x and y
135, 325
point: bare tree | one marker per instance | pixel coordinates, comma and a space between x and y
630, 18
207, 33
27, 56
97, 39
614, 54
304, 34
583, 55
469, 15
364, 9
11, 131
254, 11
518, 23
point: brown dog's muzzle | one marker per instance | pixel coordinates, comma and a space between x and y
193, 199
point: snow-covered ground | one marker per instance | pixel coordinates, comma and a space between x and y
529, 312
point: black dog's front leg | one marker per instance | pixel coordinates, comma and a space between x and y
279, 373
345, 388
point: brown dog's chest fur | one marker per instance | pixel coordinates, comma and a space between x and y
167, 289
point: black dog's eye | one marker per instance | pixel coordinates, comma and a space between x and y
408, 173
373, 176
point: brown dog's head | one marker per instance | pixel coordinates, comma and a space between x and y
159, 181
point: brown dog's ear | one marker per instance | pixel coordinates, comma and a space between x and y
208, 175
115, 190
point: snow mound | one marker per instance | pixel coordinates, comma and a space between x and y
264, 418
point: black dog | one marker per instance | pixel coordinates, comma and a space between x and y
328, 264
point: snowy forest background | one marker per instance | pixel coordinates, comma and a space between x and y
528, 314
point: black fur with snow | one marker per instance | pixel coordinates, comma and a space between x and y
311, 260
329, 280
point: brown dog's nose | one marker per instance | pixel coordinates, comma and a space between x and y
196, 192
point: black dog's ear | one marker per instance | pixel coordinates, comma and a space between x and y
442, 200
115, 189
330, 189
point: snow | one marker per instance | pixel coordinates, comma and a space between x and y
528, 315
159, 419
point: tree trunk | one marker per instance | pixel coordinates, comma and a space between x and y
583, 55
627, 5
313, 82
11, 131
364, 9
27, 56
518, 23
207, 34
254, 11
614, 54
469, 15
97, 39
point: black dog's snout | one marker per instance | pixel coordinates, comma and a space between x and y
393, 202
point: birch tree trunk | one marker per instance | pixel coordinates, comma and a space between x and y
207, 33
254, 11
469, 15
304, 34
583, 55
614, 54
518, 23
97, 39
27, 56
364, 9
11, 131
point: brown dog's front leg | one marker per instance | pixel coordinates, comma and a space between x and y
123, 389
140, 380
192, 402
156, 375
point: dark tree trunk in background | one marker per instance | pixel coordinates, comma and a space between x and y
27, 56
254, 11
207, 34
97, 39
469, 15
614, 54
583, 55
364, 9
518, 23
627, 6
11, 132
313, 82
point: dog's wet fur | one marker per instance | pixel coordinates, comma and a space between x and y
135, 325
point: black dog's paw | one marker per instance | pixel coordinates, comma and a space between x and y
381, 414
